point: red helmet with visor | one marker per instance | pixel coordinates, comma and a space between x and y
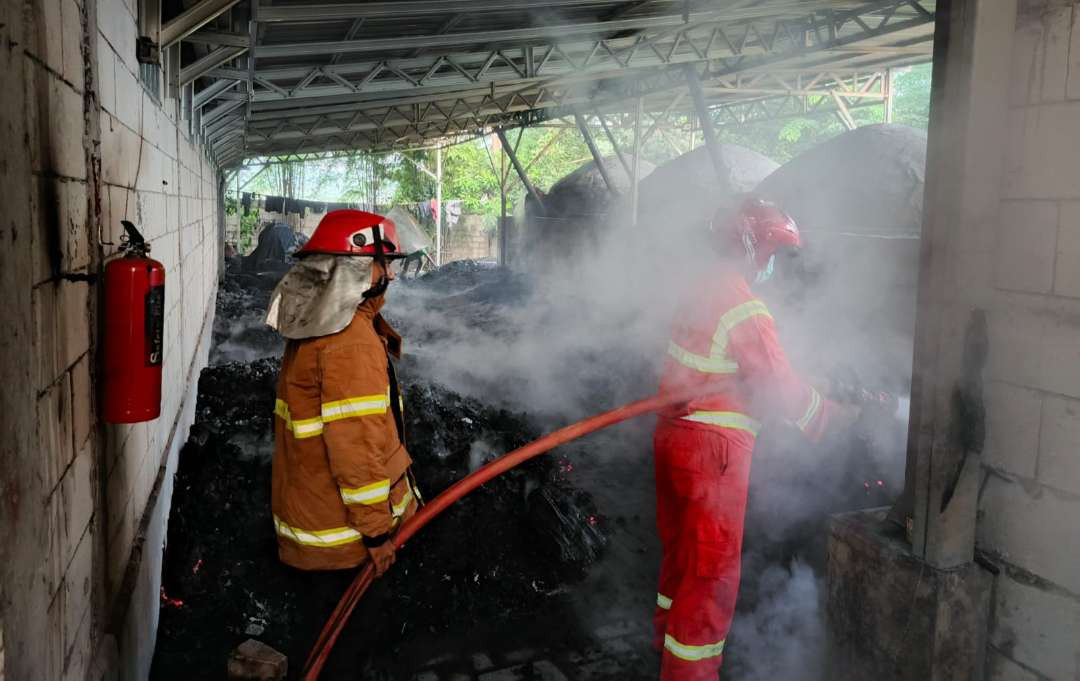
762, 229
354, 232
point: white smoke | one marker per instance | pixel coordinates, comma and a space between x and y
783, 637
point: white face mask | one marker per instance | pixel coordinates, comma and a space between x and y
765, 274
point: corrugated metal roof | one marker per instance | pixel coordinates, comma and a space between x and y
384, 75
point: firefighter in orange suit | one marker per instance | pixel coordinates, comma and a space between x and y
341, 481
723, 340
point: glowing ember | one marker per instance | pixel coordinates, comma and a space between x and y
174, 602
198, 566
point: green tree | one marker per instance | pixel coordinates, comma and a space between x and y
785, 139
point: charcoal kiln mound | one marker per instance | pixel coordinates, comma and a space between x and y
502, 555
584, 192
858, 201
686, 192
576, 212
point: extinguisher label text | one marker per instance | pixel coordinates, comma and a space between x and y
155, 325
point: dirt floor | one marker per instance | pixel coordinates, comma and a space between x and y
546, 573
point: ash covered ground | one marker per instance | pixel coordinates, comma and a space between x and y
501, 557
548, 572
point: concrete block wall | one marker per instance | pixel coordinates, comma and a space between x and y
1030, 499
468, 239
84, 504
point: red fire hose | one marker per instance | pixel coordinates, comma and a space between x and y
363, 580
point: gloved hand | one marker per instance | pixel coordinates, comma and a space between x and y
382, 556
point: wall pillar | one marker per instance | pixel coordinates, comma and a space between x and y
906, 600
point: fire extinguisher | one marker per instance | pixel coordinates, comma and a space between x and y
134, 332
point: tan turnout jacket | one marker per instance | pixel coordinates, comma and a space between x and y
340, 464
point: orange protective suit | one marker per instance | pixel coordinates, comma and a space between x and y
340, 471
724, 340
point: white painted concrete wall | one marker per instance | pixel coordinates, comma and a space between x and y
86, 146
1029, 511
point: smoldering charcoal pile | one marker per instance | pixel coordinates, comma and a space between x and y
499, 555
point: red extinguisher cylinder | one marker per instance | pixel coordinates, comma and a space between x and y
134, 339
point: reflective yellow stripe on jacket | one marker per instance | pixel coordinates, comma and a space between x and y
714, 364
350, 407
692, 653
740, 313
301, 428
399, 508
325, 538
718, 360
368, 495
663, 602
725, 419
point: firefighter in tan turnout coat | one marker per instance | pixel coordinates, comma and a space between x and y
341, 481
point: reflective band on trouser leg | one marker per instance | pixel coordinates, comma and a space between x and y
811, 410
725, 419
300, 428
663, 601
714, 364
692, 653
351, 407
368, 495
326, 538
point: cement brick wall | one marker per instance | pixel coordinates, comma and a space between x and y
1031, 496
468, 240
87, 146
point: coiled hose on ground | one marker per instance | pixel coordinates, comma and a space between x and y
329, 635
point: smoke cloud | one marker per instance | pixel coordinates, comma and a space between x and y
584, 327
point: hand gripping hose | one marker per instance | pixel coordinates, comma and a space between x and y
345, 607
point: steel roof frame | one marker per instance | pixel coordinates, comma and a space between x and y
426, 84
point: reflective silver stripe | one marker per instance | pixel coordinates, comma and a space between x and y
811, 410
300, 428
326, 538
354, 406
307, 428
663, 601
725, 419
716, 364
368, 495
692, 653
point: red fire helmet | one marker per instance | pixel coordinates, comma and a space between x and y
762, 229
353, 232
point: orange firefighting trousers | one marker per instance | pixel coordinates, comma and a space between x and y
702, 475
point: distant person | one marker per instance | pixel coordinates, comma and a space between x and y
341, 479
723, 340
415, 258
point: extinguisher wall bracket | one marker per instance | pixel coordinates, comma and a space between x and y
132, 242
